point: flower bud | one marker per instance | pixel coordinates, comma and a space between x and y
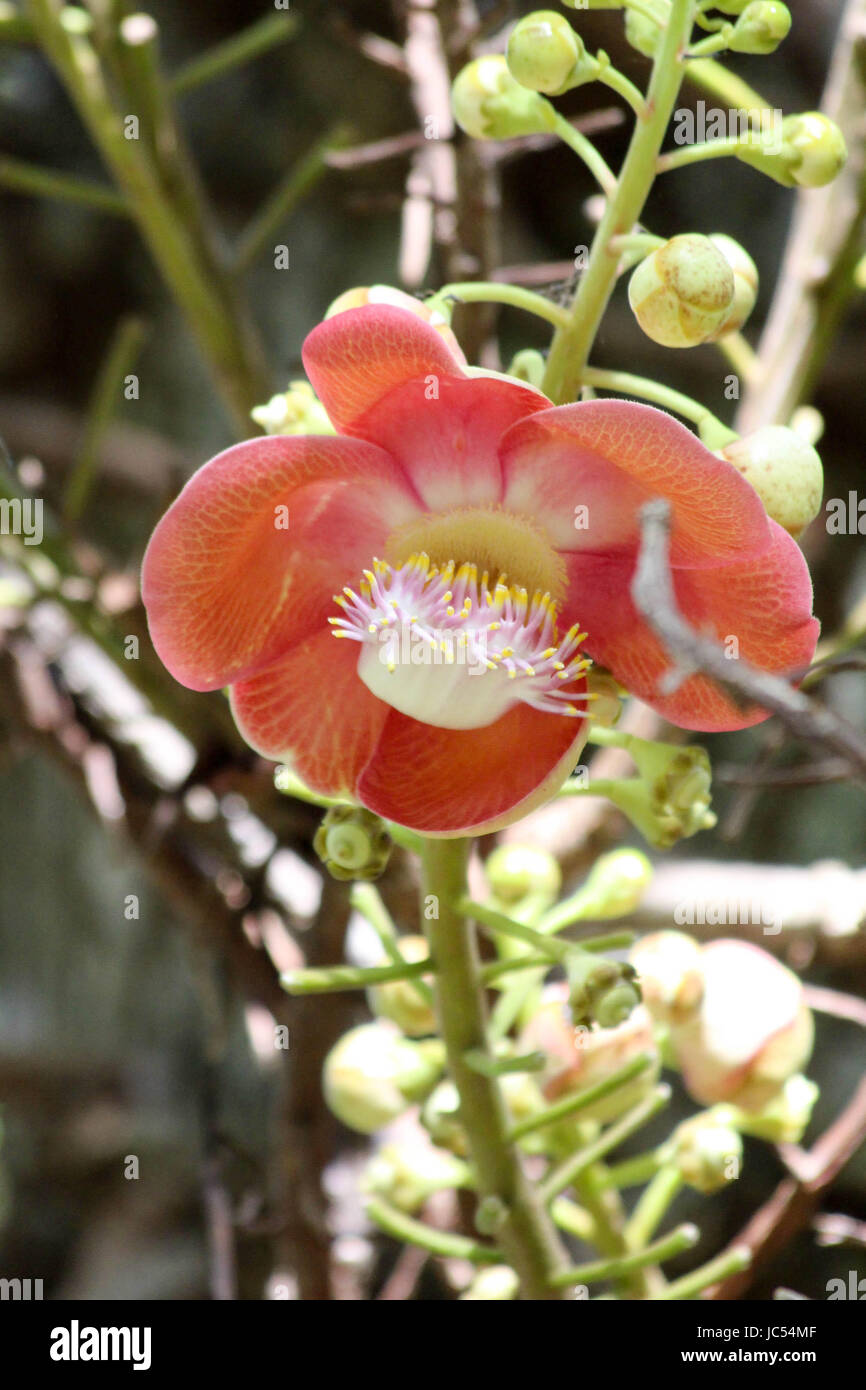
516, 872
642, 34
580, 1057
751, 1031
489, 105
352, 843
398, 299
784, 1119
670, 800
616, 883
296, 411
682, 293
373, 1074
399, 1000
745, 283
600, 990
495, 1284
407, 1171
668, 964
760, 28
811, 151
546, 55
440, 1117
784, 470
707, 1151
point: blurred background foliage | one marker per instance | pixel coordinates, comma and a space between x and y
148, 1031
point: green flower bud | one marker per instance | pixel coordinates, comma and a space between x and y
373, 1074
811, 151
490, 105
515, 872
642, 34
495, 1284
352, 843
707, 1152
399, 1000
682, 293
784, 1119
760, 28
546, 55
671, 799
409, 1171
440, 1117
784, 470
296, 411
601, 991
745, 283
616, 884
668, 964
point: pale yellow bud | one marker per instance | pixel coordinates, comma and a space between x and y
745, 282
682, 293
784, 470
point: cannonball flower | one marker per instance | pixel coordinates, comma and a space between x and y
480, 544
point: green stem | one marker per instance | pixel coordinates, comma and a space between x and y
366, 899
107, 392
333, 979
695, 154
405, 1228
618, 82
573, 1104
661, 395
572, 343
685, 1237
565, 1173
491, 292
585, 150
300, 179
527, 1234
22, 177
240, 48
200, 285
719, 81
652, 1205
731, 1262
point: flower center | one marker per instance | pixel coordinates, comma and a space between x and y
456, 651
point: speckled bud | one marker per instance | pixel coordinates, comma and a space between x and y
784, 470
682, 293
745, 283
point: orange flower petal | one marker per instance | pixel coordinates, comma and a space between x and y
311, 711
468, 781
610, 457
764, 603
227, 587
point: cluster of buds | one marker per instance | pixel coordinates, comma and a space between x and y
737, 1021
694, 289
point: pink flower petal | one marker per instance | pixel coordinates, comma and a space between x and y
312, 712
358, 356
226, 590
764, 603
611, 456
457, 782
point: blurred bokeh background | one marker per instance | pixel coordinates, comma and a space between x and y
152, 881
